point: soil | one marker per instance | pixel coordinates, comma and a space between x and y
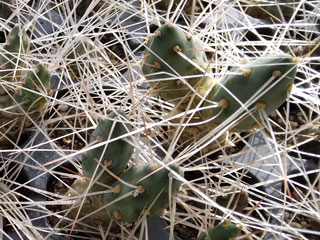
59, 188
61, 128
297, 120
303, 221
240, 204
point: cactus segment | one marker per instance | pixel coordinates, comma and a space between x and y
85, 55
224, 231
13, 109
11, 62
273, 11
167, 71
37, 80
249, 79
152, 192
115, 156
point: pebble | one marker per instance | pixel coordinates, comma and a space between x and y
296, 225
304, 224
299, 114
293, 124
64, 108
286, 215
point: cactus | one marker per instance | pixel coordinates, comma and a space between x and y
273, 12
138, 193
223, 231
37, 80
235, 201
168, 55
248, 80
25, 100
115, 156
187, 5
85, 55
150, 195
5, 10
168, 72
138, 180
11, 62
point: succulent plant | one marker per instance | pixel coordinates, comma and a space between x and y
274, 73
85, 55
173, 58
5, 11
135, 187
115, 156
172, 66
272, 11
12, 55
223, 231
143, 195
187, 5
17, 110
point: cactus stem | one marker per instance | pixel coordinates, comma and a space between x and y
223, 103
257, 125
176, 49
246, 72
261, 105
85, 153
276, 73
117, 189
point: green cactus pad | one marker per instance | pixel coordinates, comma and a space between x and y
165, 69
13, 108
272, 11
151, 192
224, 231
11, 56
115, 156
37, 80
86, 55
244, 81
